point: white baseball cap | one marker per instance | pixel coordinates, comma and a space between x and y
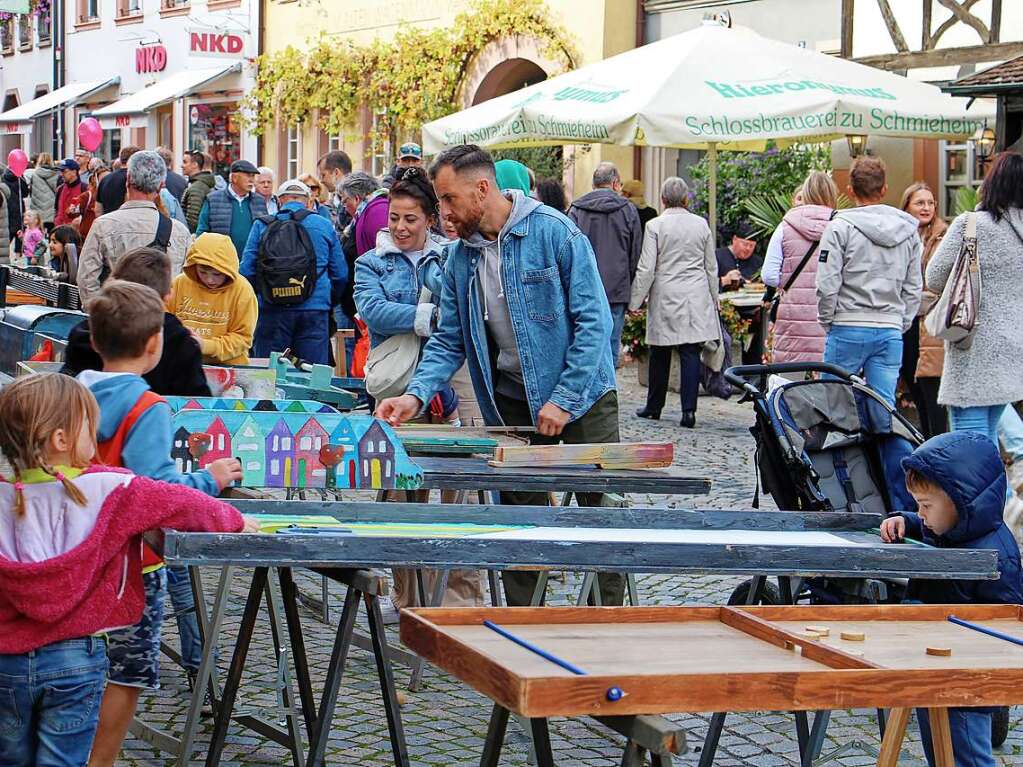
294, 187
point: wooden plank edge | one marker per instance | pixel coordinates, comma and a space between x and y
883, 612
522, 616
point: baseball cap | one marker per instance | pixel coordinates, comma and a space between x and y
244, 166
294, 186
69, 163
411, 149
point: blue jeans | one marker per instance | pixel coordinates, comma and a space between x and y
983, 419
876, 352
305, 332
179, 586
618, 323
1010, 429
971, 737
49, 703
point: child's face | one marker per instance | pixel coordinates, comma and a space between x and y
62, 452
936, 510
85, 447
28, 221
210, 277
56, 247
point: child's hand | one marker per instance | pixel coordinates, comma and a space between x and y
251, 525
225, 471
893, 529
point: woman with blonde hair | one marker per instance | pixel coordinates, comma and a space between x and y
923, 355
318, 195
791, 267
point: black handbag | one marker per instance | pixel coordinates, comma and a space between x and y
776, 298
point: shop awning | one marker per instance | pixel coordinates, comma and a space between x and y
170, 88
66, 96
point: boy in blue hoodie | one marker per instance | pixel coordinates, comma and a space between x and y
958, 481
126, 329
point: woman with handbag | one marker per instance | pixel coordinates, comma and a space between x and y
677, 271
397, 293
791, 267
984, 371
923, 355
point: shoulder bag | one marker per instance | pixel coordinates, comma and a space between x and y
390, 366
953, 317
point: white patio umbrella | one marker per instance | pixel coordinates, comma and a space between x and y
710, 88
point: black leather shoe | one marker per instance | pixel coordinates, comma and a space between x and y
688, 419
644, 413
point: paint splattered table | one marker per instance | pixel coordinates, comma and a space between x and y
552, 662
347, 540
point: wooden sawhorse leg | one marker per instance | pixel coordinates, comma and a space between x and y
895, 733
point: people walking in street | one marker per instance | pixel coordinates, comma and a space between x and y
294, 274
317, 195
67, 192
201, 182
112, 190
331, 170
551, 192
677, 278
136, 224
512, 174
523, 283
43, 189
233, 210
869, 280
978, 382
65, 245
265, 188
410, 155
612, 225
635, 192
923, 356
365, 202
791, 267
176, 183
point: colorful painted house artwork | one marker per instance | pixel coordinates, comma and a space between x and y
219, 445
309, 471
283, 449
183, 459
250, 449
230, 403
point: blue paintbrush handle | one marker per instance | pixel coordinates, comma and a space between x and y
534, 649
985, 630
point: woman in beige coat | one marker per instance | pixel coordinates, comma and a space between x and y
678, 273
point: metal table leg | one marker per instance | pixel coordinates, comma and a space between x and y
387, 690
289, 596
495, 737
542, 742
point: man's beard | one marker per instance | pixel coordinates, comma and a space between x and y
470, 225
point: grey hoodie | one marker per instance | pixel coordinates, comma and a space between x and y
869, 271
495, 304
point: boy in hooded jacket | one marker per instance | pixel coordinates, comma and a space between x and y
213, 302
869, 281
958, 481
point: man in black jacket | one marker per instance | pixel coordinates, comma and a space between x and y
176, 183
612, 225
179, 372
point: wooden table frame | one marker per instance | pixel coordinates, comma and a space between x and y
849, 681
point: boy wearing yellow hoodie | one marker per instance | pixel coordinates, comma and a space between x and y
214, 302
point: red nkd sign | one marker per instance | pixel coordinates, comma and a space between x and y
209, 42
150, 58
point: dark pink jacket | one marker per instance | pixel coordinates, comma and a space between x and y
372, 219
798, 337
68, 571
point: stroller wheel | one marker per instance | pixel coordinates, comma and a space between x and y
769, 594
999, 726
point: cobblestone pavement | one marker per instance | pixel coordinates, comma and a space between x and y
445, 722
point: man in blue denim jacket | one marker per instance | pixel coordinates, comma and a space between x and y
524, 305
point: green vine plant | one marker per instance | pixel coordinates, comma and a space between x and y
410, 80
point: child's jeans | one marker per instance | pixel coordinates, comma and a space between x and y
49, 703
179, 587
971, 737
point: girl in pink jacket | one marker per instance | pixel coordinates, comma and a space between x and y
70, 564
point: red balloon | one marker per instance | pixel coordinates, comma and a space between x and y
90, 134
17, 161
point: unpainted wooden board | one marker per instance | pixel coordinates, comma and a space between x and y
619, 455
646, 535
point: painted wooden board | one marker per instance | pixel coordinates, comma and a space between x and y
231, 403
615, 455
248, 383
641, 535
295, 449
272, 523
691, 659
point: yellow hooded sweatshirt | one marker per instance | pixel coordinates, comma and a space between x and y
225, 318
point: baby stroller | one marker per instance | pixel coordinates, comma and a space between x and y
829, 444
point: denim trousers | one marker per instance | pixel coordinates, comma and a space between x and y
1010, 429
179, 587
618, 324
971, 737
983, 419
49, 703
305, 332
874, 352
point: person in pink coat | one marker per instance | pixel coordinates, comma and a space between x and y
797, 336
